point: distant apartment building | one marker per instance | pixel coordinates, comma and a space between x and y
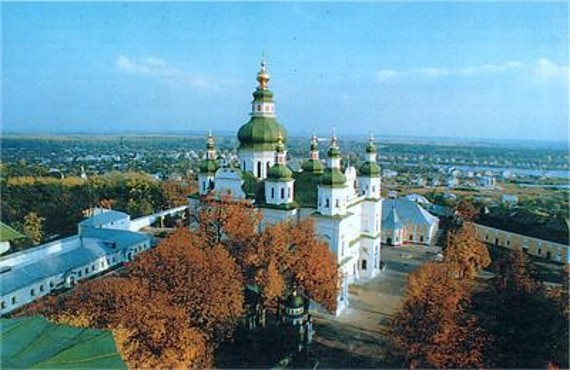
536, 247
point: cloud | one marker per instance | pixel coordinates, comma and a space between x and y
147, 66
436, 72
548, 70
386, 75
159, 68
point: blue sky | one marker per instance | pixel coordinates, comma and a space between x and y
470, 70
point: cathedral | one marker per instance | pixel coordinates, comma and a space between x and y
343, 201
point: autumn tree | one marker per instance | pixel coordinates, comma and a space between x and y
176, 193
315, 269
33, 227
287, 254
466, 211
222, 219
205, 281
526, 322
433, 327
149, 331
464, 252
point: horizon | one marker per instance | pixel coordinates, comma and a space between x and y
459, 71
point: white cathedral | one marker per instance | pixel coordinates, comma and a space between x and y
344, 203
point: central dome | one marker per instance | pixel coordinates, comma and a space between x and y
261, 133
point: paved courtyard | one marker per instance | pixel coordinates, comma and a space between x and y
355, 338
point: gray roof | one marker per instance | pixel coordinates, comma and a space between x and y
96, 244
409, 212
104, 218
392, 220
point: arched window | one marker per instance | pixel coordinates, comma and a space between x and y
258, 169
282, 193
272, 193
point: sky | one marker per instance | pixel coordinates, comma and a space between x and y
459, 70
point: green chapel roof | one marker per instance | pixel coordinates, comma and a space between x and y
261, 133
370, 169
263, 95
313, 166
333, 177
209, 166
7, 233
294, 301
280, 172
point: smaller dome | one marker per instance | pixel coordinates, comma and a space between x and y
294, 301
313, 166
370, 169
333, 177
280, 172
209, 166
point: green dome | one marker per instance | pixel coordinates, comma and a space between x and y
209, 166
370, 169
294, 301
313, 166
280, 172
333, 152
261, 133
260, 95
333, 177
370, 148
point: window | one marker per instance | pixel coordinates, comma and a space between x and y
244, 165
258, 169
92, 267
102, 264
412, 237
363, 264
337, 203
422, 238
51, 284
486, 237
14, 299
508, 242
86, 270
374, 189
288, 192
2, 305
79, 273
272, 193
282, 193
32, 292
539, 251
327, 203
41, 288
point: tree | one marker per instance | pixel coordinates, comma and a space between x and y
527, 324
223, 220
315, 269
205, 281
33, 227
466, 211
464, 252
433, 328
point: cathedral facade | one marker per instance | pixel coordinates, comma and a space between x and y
343, 201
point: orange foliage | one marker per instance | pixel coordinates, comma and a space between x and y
220, 220
465, 253
206, 282
432, 327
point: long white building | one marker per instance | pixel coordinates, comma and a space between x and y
103, 241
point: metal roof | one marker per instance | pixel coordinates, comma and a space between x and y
409, 212
104, 218
7, 233
97, 243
